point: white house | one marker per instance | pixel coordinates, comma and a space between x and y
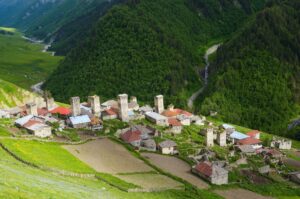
157, 118
168, 147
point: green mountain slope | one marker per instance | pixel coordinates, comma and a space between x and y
12, 95
256, 76
148, 47
22, 62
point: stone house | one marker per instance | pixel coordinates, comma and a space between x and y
254, 134
197, 120
34, 125
245, 149
148, 145
145, 109
80, 122
109, 114
211, 172
175, 126
157, 119
168, 147
132, 137
281, 143
255, 143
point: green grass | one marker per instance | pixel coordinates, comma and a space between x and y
116, 182
22, 62
71, 134
49, 155
4, 132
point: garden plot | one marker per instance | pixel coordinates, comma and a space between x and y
176, 167
106, 156
240, 193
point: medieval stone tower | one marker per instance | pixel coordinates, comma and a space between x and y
123, 107
49, 103
209, 137
94, 101
32, 109
133, 99
159, 104
221, 139
75, 104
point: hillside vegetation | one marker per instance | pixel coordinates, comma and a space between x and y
12, 95
145, 48
21, 62
255, 78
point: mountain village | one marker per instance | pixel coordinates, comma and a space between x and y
152, 129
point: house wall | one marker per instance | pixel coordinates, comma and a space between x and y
80, 126
109, 117
167, 151
176, 129
219, 179
43, 132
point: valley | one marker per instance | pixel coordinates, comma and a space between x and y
160, 99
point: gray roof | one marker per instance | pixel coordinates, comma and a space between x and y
246, 148
149, 143
143, 129
156, 116
167, 144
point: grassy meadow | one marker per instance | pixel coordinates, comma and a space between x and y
22, 62
49, 155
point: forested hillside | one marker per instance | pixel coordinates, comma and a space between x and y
64, 22
255, 80
145, 48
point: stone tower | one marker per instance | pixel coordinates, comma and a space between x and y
49, 103
123, 107
75, 104
94, 101
221, 139
159, 104
31, 109
209, 137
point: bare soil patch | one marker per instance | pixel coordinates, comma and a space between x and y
106, 156
176, 167
255, 177
240, 194
152, 181
293, 163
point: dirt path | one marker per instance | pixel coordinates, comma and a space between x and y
240, 194
210, 51
106, 156
176, 167
291, 162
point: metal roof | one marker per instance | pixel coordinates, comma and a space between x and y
80, 119
156, 116
237, 135
24, 120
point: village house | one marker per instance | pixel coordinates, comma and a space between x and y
61, 111
34, 125
229, 128
148, 145
109, 114
168, 147
146, 131
175, 126
184, 120
281, 143
145, 109
246, 149
211, 172
157, 119
255, 143
132, 137
15, 111
197, 120
237, 136
254, 134
80, 122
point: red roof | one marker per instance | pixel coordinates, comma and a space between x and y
131, 136
61, 111
110, 112
42, 111
175, 112
205, 168
249, 141
31, 123
174, 122
253, 133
